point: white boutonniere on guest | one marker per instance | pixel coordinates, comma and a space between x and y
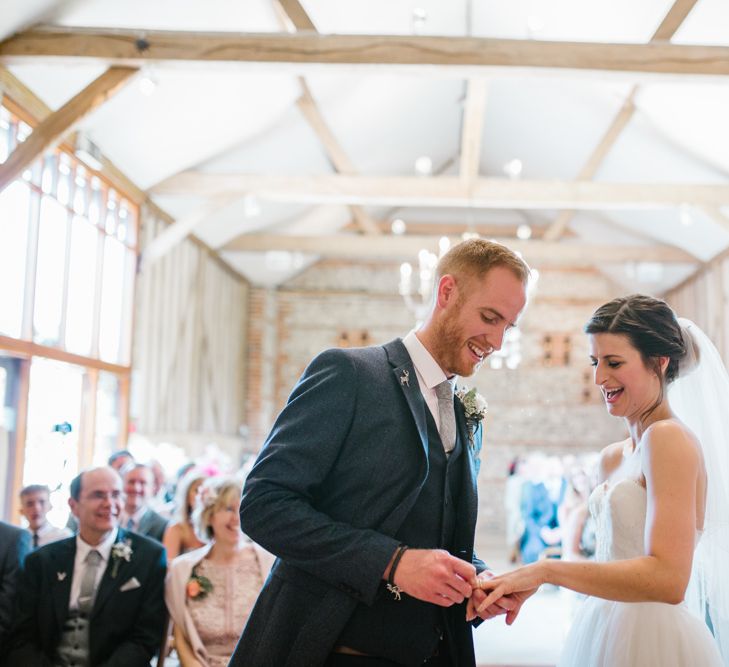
475, 408
120, 551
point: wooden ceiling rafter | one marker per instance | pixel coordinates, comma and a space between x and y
23, 97
536, 252
665, 31
444, 191
472, 129
460, 57
295, 16
485, 230
54, 127
181, 228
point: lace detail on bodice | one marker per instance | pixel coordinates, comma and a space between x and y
220, 616
619, 511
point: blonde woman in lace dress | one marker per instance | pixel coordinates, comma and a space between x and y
210, 591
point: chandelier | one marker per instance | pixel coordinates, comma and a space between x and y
418, 293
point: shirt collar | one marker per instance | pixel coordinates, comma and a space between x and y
104, 548
424, 363
46, 527
137, 516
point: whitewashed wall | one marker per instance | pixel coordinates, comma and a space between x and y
189, 345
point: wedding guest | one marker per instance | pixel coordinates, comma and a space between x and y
14, 546
120, 459
513, 491
35, 503
180, 536
163, 498
93, 599
538, 509
138, 516
210, 591
578, 530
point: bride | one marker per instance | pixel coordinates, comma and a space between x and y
661, 504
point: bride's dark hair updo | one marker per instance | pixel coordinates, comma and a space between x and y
652, 328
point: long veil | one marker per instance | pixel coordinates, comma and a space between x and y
700, 398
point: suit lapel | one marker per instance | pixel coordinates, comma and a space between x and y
62, 563
407, 379
143, 522
469, 488
113, 577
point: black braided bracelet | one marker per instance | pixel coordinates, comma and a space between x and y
391, 585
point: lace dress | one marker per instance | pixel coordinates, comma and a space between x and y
220, 616
632, 634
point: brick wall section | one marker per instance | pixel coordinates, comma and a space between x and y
530, 408
261, 378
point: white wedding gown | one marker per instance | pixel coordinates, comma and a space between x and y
632, 634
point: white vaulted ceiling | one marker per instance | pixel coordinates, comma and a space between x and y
243, 118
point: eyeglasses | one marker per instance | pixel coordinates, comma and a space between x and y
98, 496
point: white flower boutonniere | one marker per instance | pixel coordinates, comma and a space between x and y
475, 408
120, 551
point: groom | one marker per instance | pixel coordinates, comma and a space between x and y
366, 488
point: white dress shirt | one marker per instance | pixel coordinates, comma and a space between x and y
429, 373
79, 564
48, 533
136, 518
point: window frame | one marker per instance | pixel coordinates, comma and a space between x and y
26, 348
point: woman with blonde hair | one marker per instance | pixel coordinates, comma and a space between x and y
210, 591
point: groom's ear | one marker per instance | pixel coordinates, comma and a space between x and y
447, 291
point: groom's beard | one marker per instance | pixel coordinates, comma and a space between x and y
451, 351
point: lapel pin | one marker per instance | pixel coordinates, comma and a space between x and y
61, 576
405, 378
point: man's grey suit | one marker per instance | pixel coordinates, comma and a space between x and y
341, 472
152, 525
15, 544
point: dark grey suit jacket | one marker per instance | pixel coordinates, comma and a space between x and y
152, 525
129, 614
15, 544
340, 471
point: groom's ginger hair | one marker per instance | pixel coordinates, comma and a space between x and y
475, 257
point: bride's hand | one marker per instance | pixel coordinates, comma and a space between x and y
517, 585
502, 606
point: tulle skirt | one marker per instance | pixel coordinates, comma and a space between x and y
638, 634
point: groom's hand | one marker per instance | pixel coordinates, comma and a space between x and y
478, 597
433, 575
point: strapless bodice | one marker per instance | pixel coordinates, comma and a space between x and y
619, 511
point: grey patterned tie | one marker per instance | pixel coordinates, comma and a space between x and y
88, 583
446, 415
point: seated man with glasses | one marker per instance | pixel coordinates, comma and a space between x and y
96, 598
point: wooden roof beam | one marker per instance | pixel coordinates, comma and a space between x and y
51, 130
442, 191
671, 22
462, 57
472, 129
538, 253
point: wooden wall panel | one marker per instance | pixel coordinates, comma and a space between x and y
704, 298
189, 360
